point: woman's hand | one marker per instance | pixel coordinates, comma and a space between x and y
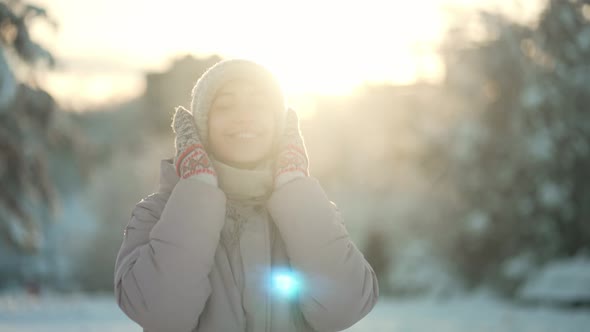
292, 161
191, 159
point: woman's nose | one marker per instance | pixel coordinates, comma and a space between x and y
245, 113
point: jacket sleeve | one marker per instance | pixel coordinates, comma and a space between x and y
162, 268
339, 286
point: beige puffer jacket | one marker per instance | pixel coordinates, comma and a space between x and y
172, 274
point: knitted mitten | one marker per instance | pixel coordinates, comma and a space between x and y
191, 159
292, 161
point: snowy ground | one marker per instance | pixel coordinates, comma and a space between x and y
474, 313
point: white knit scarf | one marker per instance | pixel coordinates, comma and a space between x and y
247, 191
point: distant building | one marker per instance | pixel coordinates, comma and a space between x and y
166, 90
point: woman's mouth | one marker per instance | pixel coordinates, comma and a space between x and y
244, 135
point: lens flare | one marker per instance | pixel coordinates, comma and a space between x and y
285, 283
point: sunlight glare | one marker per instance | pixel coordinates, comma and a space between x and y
314, 47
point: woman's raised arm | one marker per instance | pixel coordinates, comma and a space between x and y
161, 271
338, 285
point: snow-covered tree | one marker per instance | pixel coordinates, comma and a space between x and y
39, 145
26, 192
520, 155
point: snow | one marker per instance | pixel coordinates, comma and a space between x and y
478, 223
540, 145
474, 313
583, 38
564, 281
532, 96
53, 313
552, 194
8, 84
418, 270
482, 312
519, 267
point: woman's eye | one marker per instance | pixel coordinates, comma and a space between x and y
258, 102
255, 104
222, 107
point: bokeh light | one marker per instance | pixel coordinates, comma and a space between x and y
285, 283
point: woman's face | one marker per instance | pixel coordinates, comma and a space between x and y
242, 124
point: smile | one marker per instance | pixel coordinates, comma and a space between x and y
244, 135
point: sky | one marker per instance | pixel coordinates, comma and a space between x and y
313, 47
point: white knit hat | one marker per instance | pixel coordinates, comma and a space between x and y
215, 77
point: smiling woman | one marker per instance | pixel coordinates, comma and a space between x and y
239, 236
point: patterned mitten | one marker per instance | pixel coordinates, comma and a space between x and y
191, 159
292, 161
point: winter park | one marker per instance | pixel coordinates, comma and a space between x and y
295, 166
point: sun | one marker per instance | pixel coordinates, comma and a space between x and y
333, 49
314, 47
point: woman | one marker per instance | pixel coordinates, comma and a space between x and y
239, 237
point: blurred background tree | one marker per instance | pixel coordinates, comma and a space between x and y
519, 155
26, 112
46, 156
33, 135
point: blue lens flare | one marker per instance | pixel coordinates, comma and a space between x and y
285, 283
